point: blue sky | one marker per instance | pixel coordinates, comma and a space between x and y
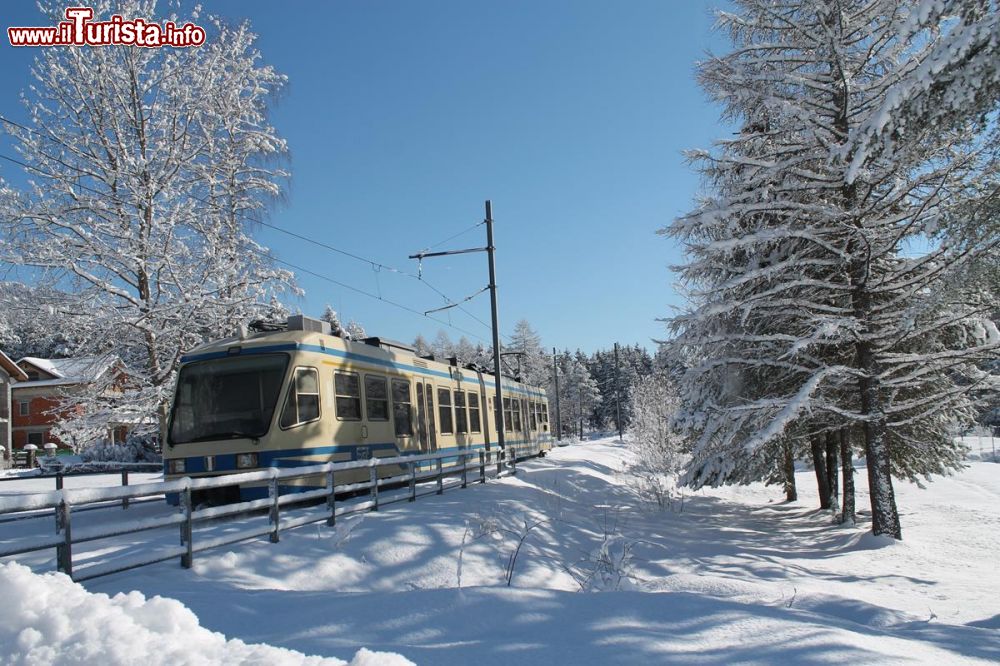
403, 117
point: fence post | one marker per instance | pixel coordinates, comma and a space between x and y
64, 552
331, 499
500, 455
274, 516
482, 467
373, 479
512, 460
124, 483
440, 481
59, 486
187, 530
465, 470
413, 482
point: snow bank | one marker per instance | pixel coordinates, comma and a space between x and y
51, 620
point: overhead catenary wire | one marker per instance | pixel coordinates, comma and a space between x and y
376, 265
455, 305
296, 267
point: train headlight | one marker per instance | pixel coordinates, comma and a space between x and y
245, 460
176, 466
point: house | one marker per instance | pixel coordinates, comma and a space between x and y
44, 398
9, 373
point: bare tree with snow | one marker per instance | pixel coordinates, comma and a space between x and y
147, 167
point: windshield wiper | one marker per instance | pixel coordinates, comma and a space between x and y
232, 434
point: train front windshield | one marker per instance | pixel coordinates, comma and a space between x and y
226, 398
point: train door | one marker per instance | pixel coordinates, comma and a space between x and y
431, 428
426, 430
421, 418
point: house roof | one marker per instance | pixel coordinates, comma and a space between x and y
12, 368
63, 371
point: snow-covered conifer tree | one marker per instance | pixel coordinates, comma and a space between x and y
442, 347
533, 359
355, 331
421, 345
807, 313
331, 317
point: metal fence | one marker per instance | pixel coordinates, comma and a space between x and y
415, 481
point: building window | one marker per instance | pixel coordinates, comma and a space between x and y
25, 407
36, 438
32, 376
302, 403
461, 418
402, 408
474, 412
347, 386
444, 407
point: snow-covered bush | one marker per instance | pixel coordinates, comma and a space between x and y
658, 450
135, 449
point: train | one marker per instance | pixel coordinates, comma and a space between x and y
294, 394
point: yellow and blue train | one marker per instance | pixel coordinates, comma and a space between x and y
297, 395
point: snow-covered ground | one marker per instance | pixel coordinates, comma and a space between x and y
728, 575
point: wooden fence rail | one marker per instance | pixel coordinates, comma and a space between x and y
65, 502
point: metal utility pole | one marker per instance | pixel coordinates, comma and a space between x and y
618, 396
555, 374
490, 250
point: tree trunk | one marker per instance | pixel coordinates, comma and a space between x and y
832, 476
819, 464
791, 493
845, 459
885, 517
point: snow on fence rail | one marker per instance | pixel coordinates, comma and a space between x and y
67, 501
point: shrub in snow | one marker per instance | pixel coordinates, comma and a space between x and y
657, 449
52, 620
135, 449
611, 565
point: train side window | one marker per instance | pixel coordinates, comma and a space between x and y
474, 412
444, 407
347, 387
508, 418
461, 417
302, 402
532, 409
376, 398
402, 408
515, 409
